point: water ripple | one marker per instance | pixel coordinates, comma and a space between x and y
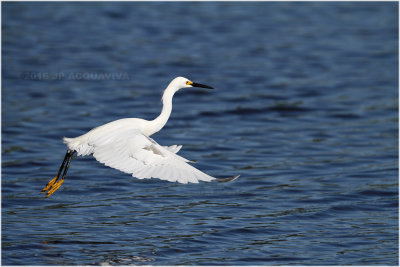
305, 109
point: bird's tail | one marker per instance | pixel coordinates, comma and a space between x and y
70, 142
75, 144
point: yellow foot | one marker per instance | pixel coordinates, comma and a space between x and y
55, 187
49, 184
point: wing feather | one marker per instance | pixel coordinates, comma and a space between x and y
132, 152
174, 148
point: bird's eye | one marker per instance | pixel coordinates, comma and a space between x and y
188, 82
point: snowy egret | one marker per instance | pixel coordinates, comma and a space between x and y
126, 145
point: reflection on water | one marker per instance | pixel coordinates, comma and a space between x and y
305, 109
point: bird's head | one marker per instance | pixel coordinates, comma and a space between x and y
182, 82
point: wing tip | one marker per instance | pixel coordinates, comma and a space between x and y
229, 179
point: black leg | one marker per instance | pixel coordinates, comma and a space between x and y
56, 182
62, 165
69, 154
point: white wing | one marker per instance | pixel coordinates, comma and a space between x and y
132, 152
174, 149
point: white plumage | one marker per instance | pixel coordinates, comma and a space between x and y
126, 145
121, 145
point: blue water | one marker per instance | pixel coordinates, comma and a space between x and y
305, 110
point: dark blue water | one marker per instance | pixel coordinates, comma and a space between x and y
305, 109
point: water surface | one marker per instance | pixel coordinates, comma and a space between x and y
305, 110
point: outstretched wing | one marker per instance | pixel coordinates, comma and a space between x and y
132, 152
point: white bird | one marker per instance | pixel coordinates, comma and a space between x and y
126, 145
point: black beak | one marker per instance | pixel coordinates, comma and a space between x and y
201, 85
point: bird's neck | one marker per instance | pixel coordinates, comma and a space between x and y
158, 123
